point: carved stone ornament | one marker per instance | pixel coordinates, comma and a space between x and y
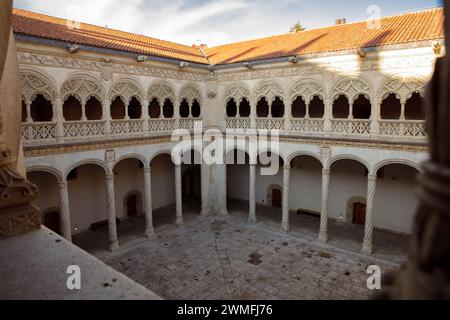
17, 214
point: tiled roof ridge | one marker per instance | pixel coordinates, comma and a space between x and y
328, 27
102, 27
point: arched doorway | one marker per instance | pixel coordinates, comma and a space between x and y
132, 206
356, 211
274, 196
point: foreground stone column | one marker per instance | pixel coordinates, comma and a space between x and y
178, 195
149, 230
252, 195
111, 207
368, 234
323, 234
286, 187
66, 228
145, 115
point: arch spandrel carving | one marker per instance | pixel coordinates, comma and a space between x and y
307, 89
33, 85
237, 92
161, 91
270, 90
82, 87
352, 88
127, 90
190, 93
403, 86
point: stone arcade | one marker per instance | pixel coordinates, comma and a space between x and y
97, 125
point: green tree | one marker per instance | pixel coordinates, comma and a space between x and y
296, 27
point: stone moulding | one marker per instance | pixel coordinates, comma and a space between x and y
17, 214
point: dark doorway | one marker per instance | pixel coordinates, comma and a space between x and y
189, 185
276, 198
359, 214
51, 221
132, 206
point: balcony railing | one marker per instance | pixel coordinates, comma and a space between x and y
47, 132
126, 127
238, 123
270, 124
408, 128
308, 125
354, 127
76, 129
158, 126
39, 131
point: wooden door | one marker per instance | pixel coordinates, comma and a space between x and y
51, 221
276, 198
359, 214
132, 206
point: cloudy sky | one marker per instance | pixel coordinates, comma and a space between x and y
216, 22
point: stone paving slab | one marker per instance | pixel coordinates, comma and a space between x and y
225, 258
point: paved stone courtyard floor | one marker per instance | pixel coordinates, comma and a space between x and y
225, 258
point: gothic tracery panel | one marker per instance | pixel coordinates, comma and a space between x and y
83, 88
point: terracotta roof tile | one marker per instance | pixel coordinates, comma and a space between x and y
39, 25
410, 27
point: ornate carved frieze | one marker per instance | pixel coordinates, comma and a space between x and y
35, 151
49, 60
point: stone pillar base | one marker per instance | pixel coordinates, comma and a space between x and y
113, 246
323, 237
252, 219
367, 248
285, 227
179, 222
150, 234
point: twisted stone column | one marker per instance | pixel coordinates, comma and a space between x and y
66, 228
145, 115
149, 230
178, 195
107, 116
323, 234
368, 234
252, 195
58, 115
111, 207
286, 187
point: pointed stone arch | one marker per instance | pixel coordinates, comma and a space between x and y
402, 85
83, 87
269, 89
190, 92
34, 83
307, 89
161, 90
352, 88
126, 89
238, 92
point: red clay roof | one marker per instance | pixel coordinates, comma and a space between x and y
43, 26
409, 27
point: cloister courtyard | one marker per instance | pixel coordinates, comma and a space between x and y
226, 258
